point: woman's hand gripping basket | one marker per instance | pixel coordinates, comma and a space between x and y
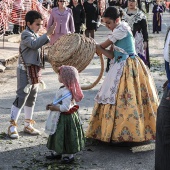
74, 50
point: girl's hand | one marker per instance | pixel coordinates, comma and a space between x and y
52, 108
47, 107
111, 48
97, 46
98, 52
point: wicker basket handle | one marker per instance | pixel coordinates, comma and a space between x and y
100, 75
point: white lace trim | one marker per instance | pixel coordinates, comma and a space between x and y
116, 48
108, 91
139, 46
133, 18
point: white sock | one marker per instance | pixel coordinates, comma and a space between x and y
28, 112
15, 112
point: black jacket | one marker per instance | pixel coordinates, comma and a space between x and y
78, 14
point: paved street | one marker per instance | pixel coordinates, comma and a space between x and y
28, 153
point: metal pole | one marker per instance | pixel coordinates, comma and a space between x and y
3, 40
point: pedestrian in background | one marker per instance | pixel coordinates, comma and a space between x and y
126, 104
92, 16
162, 149
157, 18
68, 136
147, 3
136, 19
78, 15
30, 63
62, 16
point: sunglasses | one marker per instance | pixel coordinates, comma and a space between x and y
61, 1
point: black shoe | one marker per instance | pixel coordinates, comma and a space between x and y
67, 160
153, 33
53, 156
157, 32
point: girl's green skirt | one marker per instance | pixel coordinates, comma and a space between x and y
69, 137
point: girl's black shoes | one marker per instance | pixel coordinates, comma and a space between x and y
64, 160
67, 160
53, 156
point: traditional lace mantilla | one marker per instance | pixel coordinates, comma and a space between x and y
138, 16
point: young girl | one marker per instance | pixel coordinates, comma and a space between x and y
68, 137
126, 104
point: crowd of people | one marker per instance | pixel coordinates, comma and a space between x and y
126, 106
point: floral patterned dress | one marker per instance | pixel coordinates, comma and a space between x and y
126, 104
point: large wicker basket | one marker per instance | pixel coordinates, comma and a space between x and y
75, 50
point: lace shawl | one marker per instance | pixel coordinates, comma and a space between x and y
133, 18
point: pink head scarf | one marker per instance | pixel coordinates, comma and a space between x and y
70, 78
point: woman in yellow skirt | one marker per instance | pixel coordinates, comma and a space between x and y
126, 104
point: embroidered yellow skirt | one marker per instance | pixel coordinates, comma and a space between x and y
133, 117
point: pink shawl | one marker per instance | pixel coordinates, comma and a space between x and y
70, 78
